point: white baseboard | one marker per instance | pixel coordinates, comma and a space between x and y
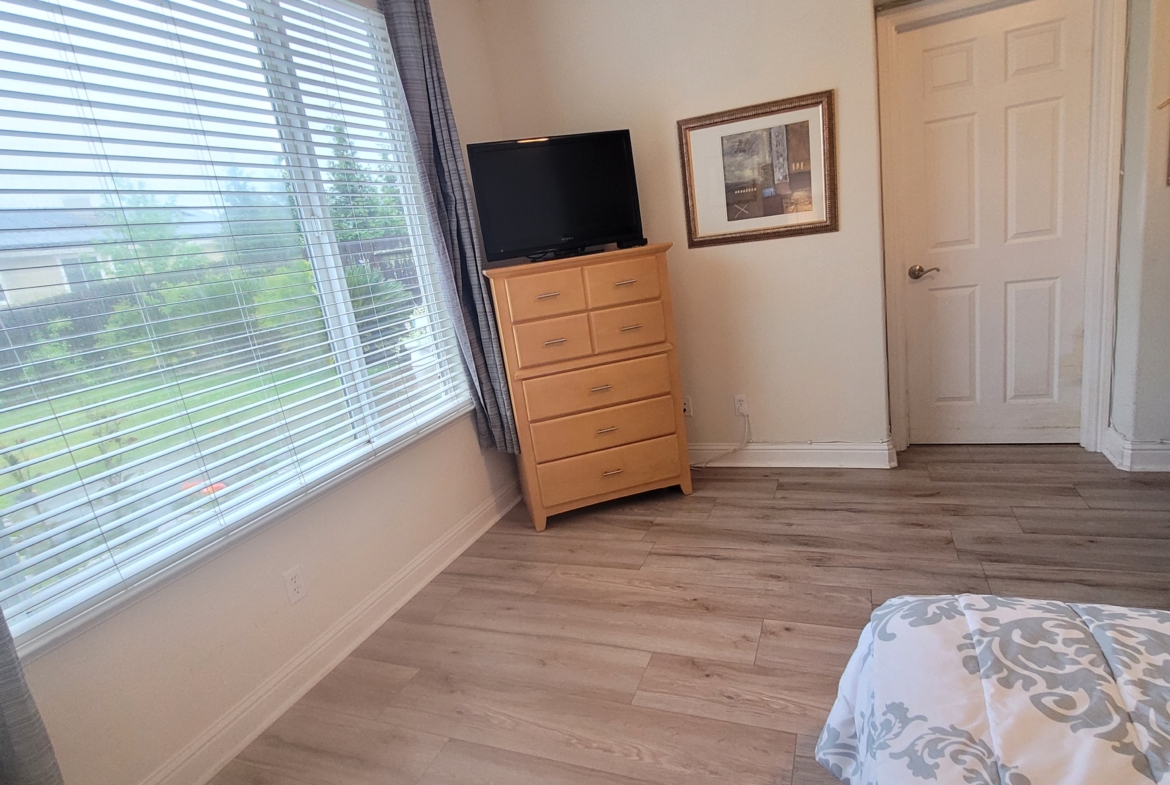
1135, 456
833, 455
198, 762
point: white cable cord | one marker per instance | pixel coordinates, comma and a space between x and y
747, 439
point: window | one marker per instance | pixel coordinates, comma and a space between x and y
220, 287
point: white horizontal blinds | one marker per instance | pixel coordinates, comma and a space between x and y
217, 284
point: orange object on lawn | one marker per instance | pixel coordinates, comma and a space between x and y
206, 490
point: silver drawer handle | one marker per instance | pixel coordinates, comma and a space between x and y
626, 282
606, 430
631, 327
548, 295
602, 388
555, 341
612, 472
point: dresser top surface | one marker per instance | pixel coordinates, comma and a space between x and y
531, 268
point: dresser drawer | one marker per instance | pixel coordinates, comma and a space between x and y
551, 340
622, 282
545, 294
628, 326
602, 429
609, 470
593, 388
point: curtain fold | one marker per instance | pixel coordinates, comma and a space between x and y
26, 754
450, 207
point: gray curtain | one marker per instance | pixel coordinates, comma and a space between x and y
26, 755
449, 203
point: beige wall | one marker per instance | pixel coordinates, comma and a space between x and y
463, 48
1141, 383
160, 677
795, 324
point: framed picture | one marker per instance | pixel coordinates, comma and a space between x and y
759, 172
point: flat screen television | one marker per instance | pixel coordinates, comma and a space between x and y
556, 195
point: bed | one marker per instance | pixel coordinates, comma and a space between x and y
977, 690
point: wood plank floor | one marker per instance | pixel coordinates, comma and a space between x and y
675, 640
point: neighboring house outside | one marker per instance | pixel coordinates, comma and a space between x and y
27, 276
41, 257
63, 255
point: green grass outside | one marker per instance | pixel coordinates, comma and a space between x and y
279, 392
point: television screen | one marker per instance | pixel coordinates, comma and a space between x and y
559, 193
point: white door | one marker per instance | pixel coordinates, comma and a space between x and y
985, 143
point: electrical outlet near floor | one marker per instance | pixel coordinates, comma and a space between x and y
741, 409
688, 409
294, 585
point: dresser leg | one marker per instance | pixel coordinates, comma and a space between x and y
685, 484
536, 513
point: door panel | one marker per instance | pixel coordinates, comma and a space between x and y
1033, 170
949, 67
955, 342
1032, 327
950, 180
1033, 49
991, 133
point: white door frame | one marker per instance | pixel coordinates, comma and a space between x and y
1106, 116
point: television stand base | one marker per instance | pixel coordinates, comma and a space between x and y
566, 253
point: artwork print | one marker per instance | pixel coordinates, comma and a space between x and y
761, 171
768, 172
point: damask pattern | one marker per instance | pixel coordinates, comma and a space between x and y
984, 690
975, 757
1139, 657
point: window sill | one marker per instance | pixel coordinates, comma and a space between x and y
38, 641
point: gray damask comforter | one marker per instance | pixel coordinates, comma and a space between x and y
975, 690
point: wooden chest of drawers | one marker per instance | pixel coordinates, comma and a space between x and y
593, 375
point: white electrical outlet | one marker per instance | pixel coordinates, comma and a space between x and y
294, 585
741, 409
688, 409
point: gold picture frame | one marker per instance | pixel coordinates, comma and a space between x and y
760, 172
